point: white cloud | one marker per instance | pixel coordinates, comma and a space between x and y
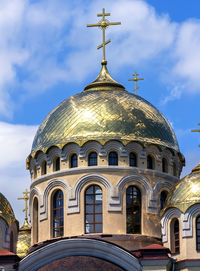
175, 94
187, 54
47, 41
15, 145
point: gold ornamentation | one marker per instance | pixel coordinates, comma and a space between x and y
186, 193
25, 198
103, 24
197, 131
136, 79
6, 211
103, 116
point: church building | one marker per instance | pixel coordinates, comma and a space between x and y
105, 189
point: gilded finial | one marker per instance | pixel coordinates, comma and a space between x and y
103, 24
198, 130
135, 79
25, 198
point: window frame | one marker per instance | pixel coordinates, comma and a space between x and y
135, 159
56, 164
134, 188
94, 205
60, 217
164, 165
163, 202
197, 234
91, 159
72, 160
111, 159
44, 167
152, 162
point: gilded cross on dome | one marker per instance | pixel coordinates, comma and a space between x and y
198, 130
103, 24
135, 79
26, 198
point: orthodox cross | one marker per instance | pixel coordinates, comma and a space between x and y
26, 198
135, 79
103, 24
197, 131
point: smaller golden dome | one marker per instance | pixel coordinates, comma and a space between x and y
186, 192
24, 240
6, 211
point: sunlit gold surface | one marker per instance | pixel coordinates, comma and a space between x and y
186, 192
24, 240
6, 211
102, 116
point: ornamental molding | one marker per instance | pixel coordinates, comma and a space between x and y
143, 183
191, 213
53, 184
166, 219
74, 199
80, 247
34, 192
89, 147
68, 150
53, 152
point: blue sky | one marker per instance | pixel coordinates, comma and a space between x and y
48, 54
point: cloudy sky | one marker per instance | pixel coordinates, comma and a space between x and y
48, 54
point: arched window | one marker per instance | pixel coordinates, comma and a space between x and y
56, 164
58, 216
74, 160
35, 172
150, 162
163, 198
113, 159
11, 242
175, 236
93, 209
174, 169
92, 159
35, 220
133, 210
132, 159
44, 168
164, 165
198, 233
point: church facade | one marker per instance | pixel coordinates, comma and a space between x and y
105, 189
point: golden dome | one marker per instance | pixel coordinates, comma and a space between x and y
104, 111
186, 192
6, 211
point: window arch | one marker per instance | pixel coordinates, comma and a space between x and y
92, 159
56, 164
93, 209
35, 220
175, 236
113, 158
163, 198
44, 168
164, 165
150, 162
73, 160
198, 233
132, 159
58, 214
133, 209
